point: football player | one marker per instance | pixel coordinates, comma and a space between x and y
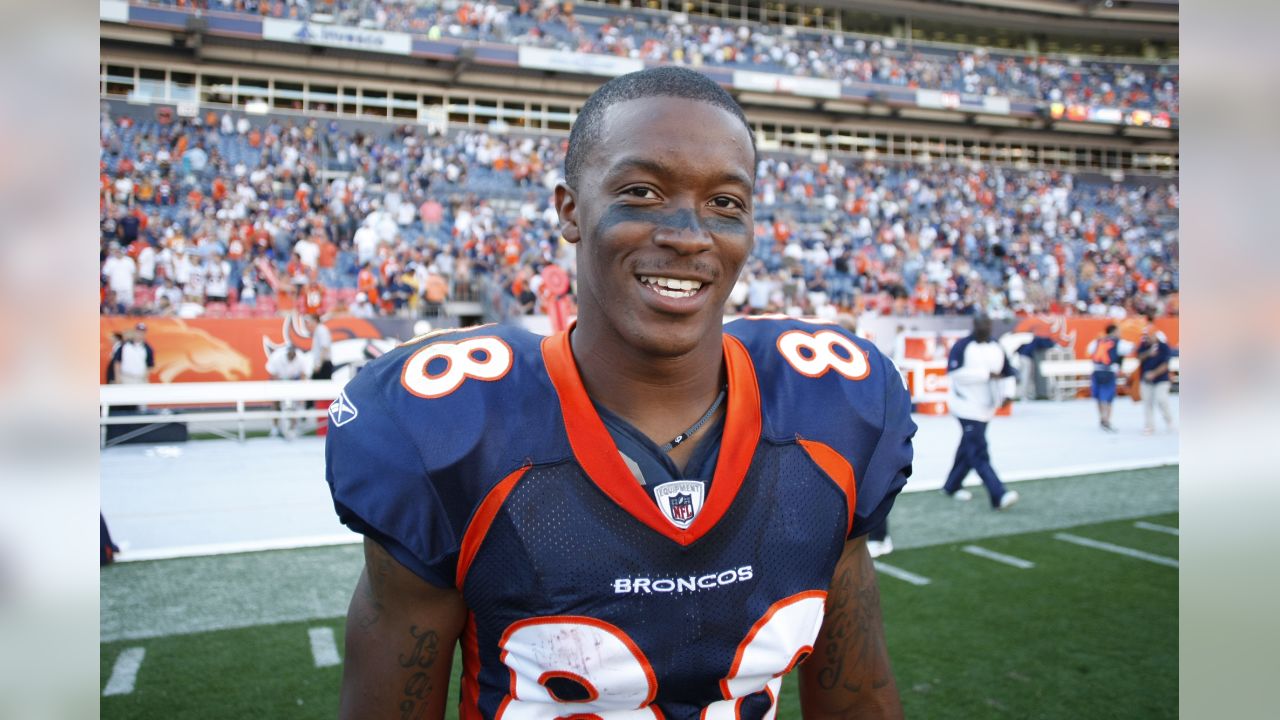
651, 514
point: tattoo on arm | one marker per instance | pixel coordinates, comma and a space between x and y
854, 654
420, 659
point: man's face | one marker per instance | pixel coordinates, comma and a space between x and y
663, 216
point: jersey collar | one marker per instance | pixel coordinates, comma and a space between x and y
596, 452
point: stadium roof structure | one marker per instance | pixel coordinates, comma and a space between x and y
1137, 19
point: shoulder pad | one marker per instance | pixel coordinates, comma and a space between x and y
421, 435
819, 382
465, 392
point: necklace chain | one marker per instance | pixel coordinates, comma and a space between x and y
675, 441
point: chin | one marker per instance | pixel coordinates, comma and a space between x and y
672, 338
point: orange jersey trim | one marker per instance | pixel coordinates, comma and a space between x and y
469, 700
841, 472
478, 528
595, 450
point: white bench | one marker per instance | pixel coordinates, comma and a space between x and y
1067, 377
220, 404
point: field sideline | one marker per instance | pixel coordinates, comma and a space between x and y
1064, 607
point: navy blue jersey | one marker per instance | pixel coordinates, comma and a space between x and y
478, 460
1160, 356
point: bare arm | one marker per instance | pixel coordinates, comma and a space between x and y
848, 675
401, 633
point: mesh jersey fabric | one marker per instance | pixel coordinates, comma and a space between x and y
560, 547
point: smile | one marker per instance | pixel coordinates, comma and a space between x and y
671, 287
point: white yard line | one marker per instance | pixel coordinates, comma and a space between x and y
998, 557
1117, 549
901, 574
125, 672
1141, 525
323, 648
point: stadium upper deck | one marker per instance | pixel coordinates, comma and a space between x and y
1064, 86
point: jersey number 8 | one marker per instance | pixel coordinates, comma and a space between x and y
578, 667
813, 355
479, 358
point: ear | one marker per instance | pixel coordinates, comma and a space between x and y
567, 207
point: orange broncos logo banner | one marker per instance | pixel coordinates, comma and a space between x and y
208, 350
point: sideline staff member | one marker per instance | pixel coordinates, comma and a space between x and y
982, 380
650, 515
1105, 352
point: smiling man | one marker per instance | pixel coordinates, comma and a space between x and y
650, 515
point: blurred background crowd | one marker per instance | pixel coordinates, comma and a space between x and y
226, 214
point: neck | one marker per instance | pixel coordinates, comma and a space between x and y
660, 395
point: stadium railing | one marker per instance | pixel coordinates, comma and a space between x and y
217, 404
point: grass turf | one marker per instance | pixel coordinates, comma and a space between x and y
1085, 633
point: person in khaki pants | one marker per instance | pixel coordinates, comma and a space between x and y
1153, 355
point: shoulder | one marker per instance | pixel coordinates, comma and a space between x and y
771, 338
821, 384
818, 380
955, 357
463, 396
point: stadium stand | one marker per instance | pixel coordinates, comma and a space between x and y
405, 220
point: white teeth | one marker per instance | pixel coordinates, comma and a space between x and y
680, 288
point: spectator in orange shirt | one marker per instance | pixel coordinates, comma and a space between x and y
327, 261
310, 298
367, 283
436, 290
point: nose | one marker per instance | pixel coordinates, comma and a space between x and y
682, 231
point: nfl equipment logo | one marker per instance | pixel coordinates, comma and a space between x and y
680, 500
682, 507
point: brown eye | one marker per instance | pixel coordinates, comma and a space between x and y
641, 192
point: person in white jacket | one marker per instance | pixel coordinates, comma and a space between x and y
288, 363
982, 380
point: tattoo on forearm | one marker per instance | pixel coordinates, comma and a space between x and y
417, 689
854, 651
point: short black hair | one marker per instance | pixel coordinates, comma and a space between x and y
663, 81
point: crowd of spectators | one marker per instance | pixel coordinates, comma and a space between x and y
223, 214
675, 38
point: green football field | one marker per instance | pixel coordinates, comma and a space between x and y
1064, 607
